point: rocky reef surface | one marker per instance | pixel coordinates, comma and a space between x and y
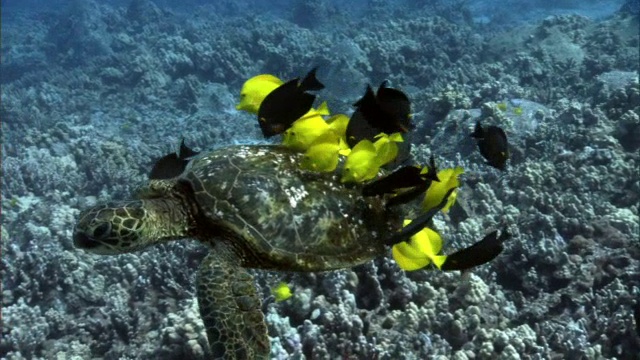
93, 93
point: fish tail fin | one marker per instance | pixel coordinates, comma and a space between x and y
396, 137
431, 170
310, 82
438, 260
451, 200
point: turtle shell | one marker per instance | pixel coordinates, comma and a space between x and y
277, 216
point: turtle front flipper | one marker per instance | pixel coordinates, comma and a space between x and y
230, 308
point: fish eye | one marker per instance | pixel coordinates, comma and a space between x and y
102, 230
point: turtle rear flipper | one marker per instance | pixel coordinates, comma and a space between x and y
230, 308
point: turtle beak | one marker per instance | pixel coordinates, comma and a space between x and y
83, 241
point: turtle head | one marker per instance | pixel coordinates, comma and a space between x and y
122, 227
112, 228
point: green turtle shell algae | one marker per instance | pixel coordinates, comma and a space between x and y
288, 218
256, 208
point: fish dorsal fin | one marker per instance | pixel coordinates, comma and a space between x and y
323, 109
185, 152
364, 145
268, 78
310, 82
478, 131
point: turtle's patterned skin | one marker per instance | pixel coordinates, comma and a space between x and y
255, 208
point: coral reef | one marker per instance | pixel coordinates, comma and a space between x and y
93, 93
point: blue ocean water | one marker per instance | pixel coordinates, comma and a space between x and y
94, 93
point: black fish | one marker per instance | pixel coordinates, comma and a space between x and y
477, 254
418, 223
405, 177
185, 152
493, 145
359, 129
405, 196
395, 103
173, 164
409, 180
387, 111
287, 103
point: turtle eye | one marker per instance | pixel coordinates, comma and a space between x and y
102, 230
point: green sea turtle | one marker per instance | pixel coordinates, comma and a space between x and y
255, 208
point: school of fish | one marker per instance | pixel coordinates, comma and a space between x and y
366, 145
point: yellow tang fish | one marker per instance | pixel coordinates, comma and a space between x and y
323, 154
338, 124
437, 190
362, 163
304, 131
421, 250
281, 292
255, 90
386, 147
518, 110
408, 258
